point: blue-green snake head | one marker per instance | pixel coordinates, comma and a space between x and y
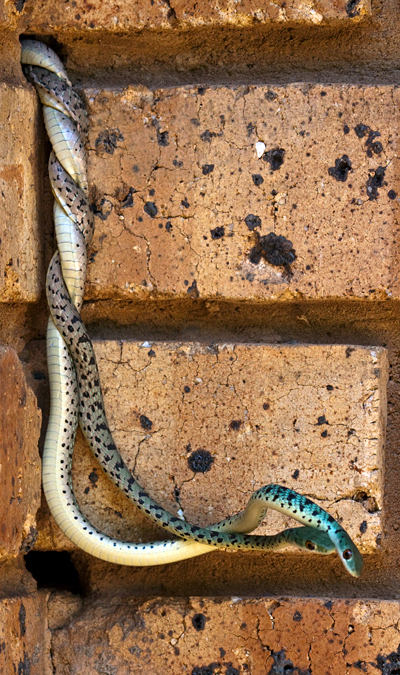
311, 539
350, 555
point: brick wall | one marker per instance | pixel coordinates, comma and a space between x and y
212, 124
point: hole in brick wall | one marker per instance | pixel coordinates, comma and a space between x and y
53, 570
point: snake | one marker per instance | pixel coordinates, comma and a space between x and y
75, 388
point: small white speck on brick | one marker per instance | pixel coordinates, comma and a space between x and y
145, 345
260, 148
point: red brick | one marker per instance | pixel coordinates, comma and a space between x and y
24, 639
20, 462
231, 636
192, 153
117, 16
20, 221
264, 414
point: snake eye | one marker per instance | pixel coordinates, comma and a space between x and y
347, 554
310, 546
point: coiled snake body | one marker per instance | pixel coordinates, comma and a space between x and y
75, 383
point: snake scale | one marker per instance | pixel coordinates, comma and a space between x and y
75, 388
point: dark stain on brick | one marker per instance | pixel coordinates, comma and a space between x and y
295, 474
19, 5
151, 209
185, 203
22, 620
145, 423
252, 221
186, 389
361, 130
107, 141
386, 664
151, 353
217, 232
257, 179
199, 622
200, 461
346, 129
235, 425
274, 158
322, 420
207, 168
341, 169
93, 477
102, 208
392, 194
324, 434
207, 135
329, 387
230, 670
352, 8
127, 201
206, 670
250, 128
349, 350
297, 616
372, 145
270, 95
363, 526
162, 138
168, 226
283, 666
193, 291
38, 375
276, 249
24, 667
374, 182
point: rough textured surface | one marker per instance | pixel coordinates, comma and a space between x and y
20, 221
24, 639
116, 16
19, 463
184, 206
230, 637
202, 427
61, 608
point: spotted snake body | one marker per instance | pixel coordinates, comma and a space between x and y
75, 383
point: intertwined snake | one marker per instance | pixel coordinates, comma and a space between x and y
75, 384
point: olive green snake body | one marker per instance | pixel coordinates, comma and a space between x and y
75, 384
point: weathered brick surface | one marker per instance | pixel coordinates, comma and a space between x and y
21, 247
24, 639
19, 463
230, 637
310, 417
182, 198
117, 16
